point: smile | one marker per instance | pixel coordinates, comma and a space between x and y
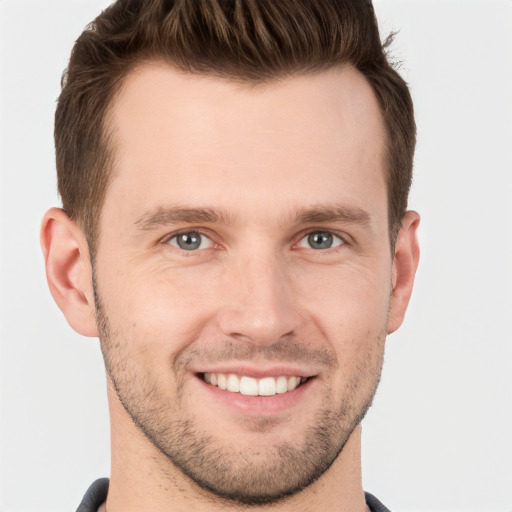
249, 386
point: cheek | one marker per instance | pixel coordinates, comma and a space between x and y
351, 298
168, 309
351, 313
157, 307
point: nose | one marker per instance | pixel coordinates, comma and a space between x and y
259, 305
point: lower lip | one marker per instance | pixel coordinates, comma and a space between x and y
258, 405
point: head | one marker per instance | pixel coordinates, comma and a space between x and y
251, 43
234, 175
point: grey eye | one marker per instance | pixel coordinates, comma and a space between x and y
190, 241
320, 240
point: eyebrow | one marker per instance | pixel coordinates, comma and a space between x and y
164, 216
337, 213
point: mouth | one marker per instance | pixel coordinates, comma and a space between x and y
250, 386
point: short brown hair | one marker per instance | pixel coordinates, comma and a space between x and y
252, 41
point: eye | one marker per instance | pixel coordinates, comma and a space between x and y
321, 240
190, 241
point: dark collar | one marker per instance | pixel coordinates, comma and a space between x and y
97, 494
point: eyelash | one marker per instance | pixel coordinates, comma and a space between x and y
175, 236
341, 238
334, 236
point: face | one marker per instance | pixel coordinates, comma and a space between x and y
243, 272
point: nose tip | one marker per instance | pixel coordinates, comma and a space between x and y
266, 329
260, 307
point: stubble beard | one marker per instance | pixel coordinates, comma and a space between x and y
257, 475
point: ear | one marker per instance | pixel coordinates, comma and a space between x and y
68, 270
405, 263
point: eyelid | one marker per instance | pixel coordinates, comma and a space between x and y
173, 236
343, 237
337, 241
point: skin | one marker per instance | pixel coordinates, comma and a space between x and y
275, 164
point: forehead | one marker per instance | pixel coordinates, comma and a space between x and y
219, 142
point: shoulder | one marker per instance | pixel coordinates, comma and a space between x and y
95, 496
374, 504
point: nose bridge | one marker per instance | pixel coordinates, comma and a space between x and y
261, 306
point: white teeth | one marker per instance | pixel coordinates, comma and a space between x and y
282, 384
293, 382
222, 381
267, 386
233, 383
248, 386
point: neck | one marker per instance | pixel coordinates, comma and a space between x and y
142, 478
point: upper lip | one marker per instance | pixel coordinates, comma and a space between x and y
257, 372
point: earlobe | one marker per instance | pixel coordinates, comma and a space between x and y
68, 270
407, 254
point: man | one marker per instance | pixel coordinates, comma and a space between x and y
234, 178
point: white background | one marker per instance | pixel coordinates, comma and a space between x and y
439, 435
